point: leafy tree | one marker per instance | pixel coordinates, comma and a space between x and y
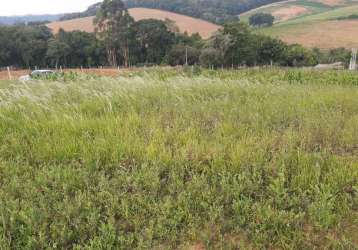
113, 25
31, 43
6, 46
57, 51
154, 40
298, 56
211, 57
172, 26
23, 46
193, 40
221, 43
84, 48
270, 50
179, 53
242, 48
339, 55
261, 19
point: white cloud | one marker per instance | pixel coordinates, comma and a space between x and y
24, 7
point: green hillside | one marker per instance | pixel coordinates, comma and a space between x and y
217, 11
324, 24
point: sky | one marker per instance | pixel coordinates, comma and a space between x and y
35, 7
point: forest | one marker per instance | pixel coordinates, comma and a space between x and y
126, 42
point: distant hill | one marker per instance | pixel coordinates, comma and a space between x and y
91, 11
216, 11
10, 20
316, 23
184, 23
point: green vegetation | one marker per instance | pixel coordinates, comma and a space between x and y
310, 24
350, 17
113, 26
168, 159
217, 11
121, 41
261, 19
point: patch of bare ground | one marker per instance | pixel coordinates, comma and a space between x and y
331, 3
328, 34
346, 232
108, 72
287, 13
185, 23
14, 74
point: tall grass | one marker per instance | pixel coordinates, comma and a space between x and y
166, 159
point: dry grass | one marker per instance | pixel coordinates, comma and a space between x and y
327, 34
332, 3
312, 23
82, 24
287, 13
185, 23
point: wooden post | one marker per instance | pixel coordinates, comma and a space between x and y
9, 73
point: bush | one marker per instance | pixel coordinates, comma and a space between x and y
261, 19
211, 57
177, 55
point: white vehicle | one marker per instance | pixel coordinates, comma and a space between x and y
36, 74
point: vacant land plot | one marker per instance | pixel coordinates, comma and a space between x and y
312, 23
184, 23
287, 13
322, 34
164, 159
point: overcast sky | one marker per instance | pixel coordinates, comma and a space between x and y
24, 7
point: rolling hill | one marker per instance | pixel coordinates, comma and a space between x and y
11, 20
185, 23
215, 11
316, 23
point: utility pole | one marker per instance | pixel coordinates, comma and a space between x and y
353, 63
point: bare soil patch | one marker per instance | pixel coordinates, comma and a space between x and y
15, 74
185, 23
328, 34
287, 13
109, 72
331, 2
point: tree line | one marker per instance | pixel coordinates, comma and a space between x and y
121, 41
216, 11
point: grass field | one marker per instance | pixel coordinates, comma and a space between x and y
185, 23
167, 159
312, 23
